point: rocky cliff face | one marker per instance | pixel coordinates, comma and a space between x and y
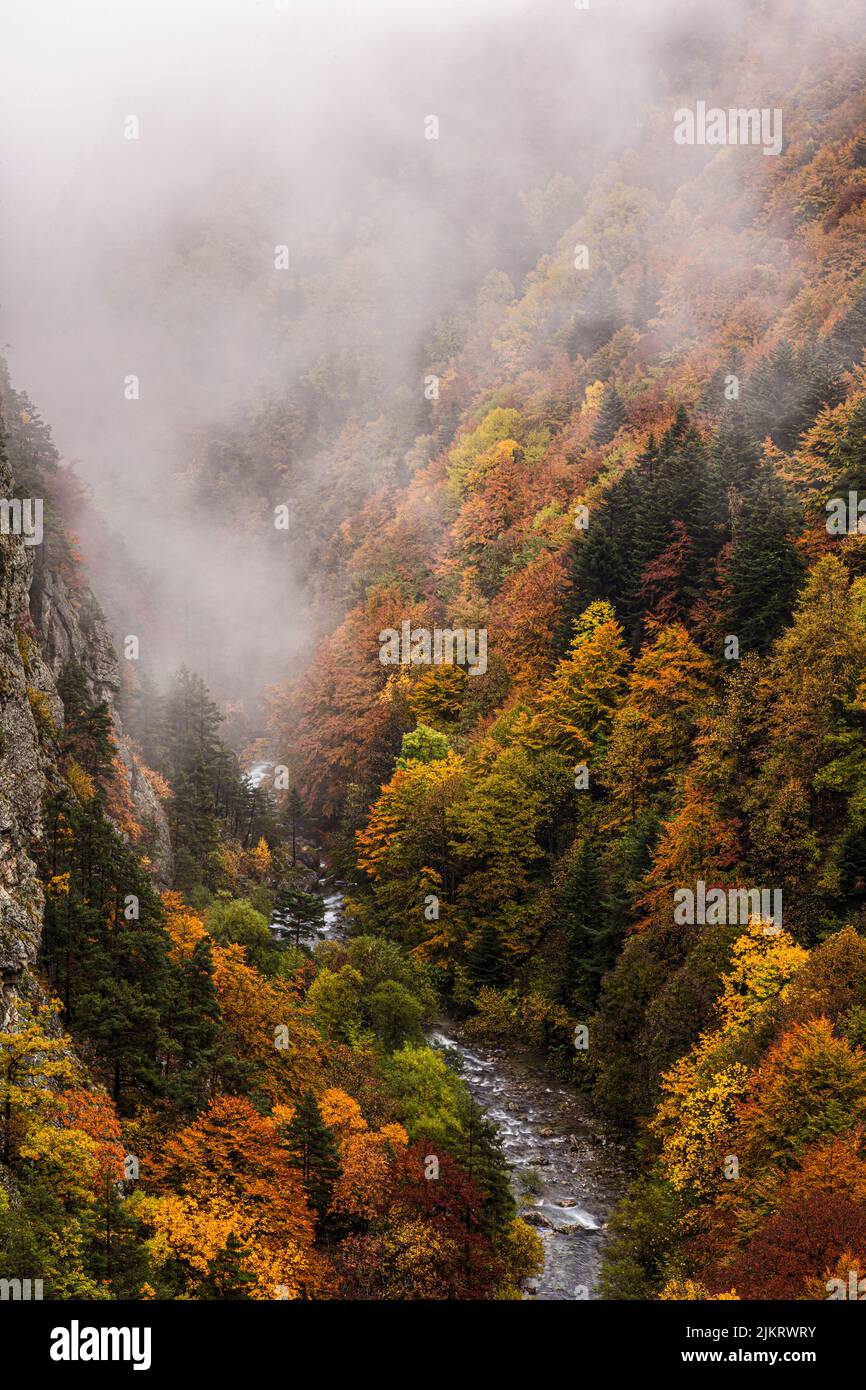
43, 624
149, 813
73, 628
28, 700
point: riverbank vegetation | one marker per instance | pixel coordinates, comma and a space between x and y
629, 489
193, 1109
620, 464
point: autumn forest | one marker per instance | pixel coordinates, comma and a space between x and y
433, 683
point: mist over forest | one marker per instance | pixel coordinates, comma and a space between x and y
264, 125
433, 660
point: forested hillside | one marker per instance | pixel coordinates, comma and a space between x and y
626, 481
193, 1107
621, 823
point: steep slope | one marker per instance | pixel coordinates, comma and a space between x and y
50, 619
29, 698
710, 272
625, 488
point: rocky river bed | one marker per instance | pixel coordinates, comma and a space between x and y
567, 1173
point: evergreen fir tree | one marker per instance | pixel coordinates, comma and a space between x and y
197, 1052
194, 825
353, 817
849, 456
227, 1276
597, 319
478, 1150
611, 416
294, 813
313, 1151
735, 456
88, 731
578, 909
485, 959
785, 391
765, 569
297, 912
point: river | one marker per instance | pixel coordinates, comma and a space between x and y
567, 1172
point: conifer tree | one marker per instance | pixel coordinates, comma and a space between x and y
598, 317
765, 570
196, 1050
849, 456
485, 958
294, 813
313, 1150
478, 1150
785, 391
297, 912
579, 911
194, 825
611, 416
227, 1274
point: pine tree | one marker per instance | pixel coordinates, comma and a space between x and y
765, 570
227, 1275
849, 456
313, 1150
88, 731
104, 945
194, 825
478, 1150
646, 299
597, 319
578, 908
611, 416
734, 456
294, 814
353, 817
116, 1247
298, 912
604, 562
106, 950
197, 1051
785, 391
485, 959
845, 343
